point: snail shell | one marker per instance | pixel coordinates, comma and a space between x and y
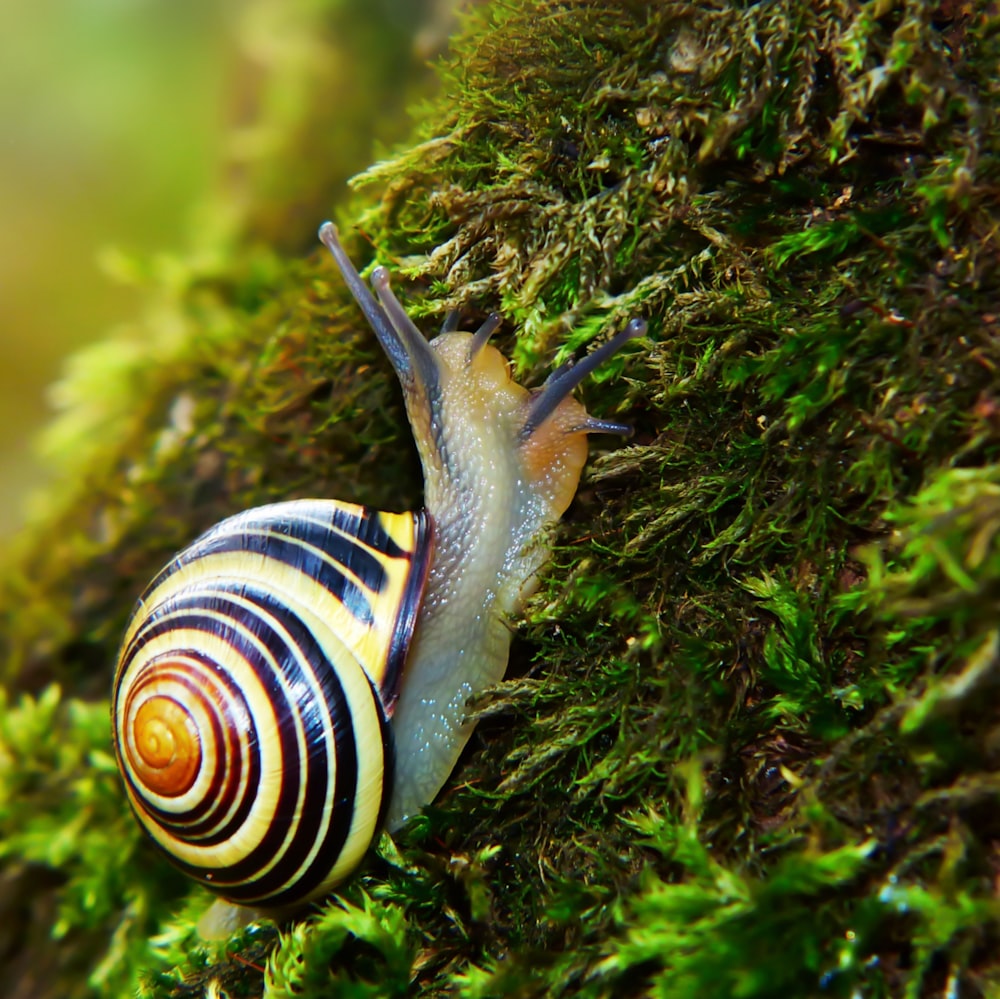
253, 691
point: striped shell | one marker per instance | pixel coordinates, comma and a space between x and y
253, 689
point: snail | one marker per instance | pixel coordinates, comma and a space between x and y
297, 678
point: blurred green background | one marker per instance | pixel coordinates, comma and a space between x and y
134, 129
111, 114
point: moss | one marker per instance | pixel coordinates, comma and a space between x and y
747, 745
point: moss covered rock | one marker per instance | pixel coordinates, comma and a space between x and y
748, 745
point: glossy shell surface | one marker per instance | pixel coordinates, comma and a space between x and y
253, 690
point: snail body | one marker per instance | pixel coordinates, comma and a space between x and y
298, 677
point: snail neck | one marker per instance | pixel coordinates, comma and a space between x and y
482, 569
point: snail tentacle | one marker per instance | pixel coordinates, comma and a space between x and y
564, 379
404, 345
451, 321
482, 335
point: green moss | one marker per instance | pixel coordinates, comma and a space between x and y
748, 741
79, 887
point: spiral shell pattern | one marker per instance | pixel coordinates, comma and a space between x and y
253, 689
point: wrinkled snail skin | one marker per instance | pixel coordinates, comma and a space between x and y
275, 669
